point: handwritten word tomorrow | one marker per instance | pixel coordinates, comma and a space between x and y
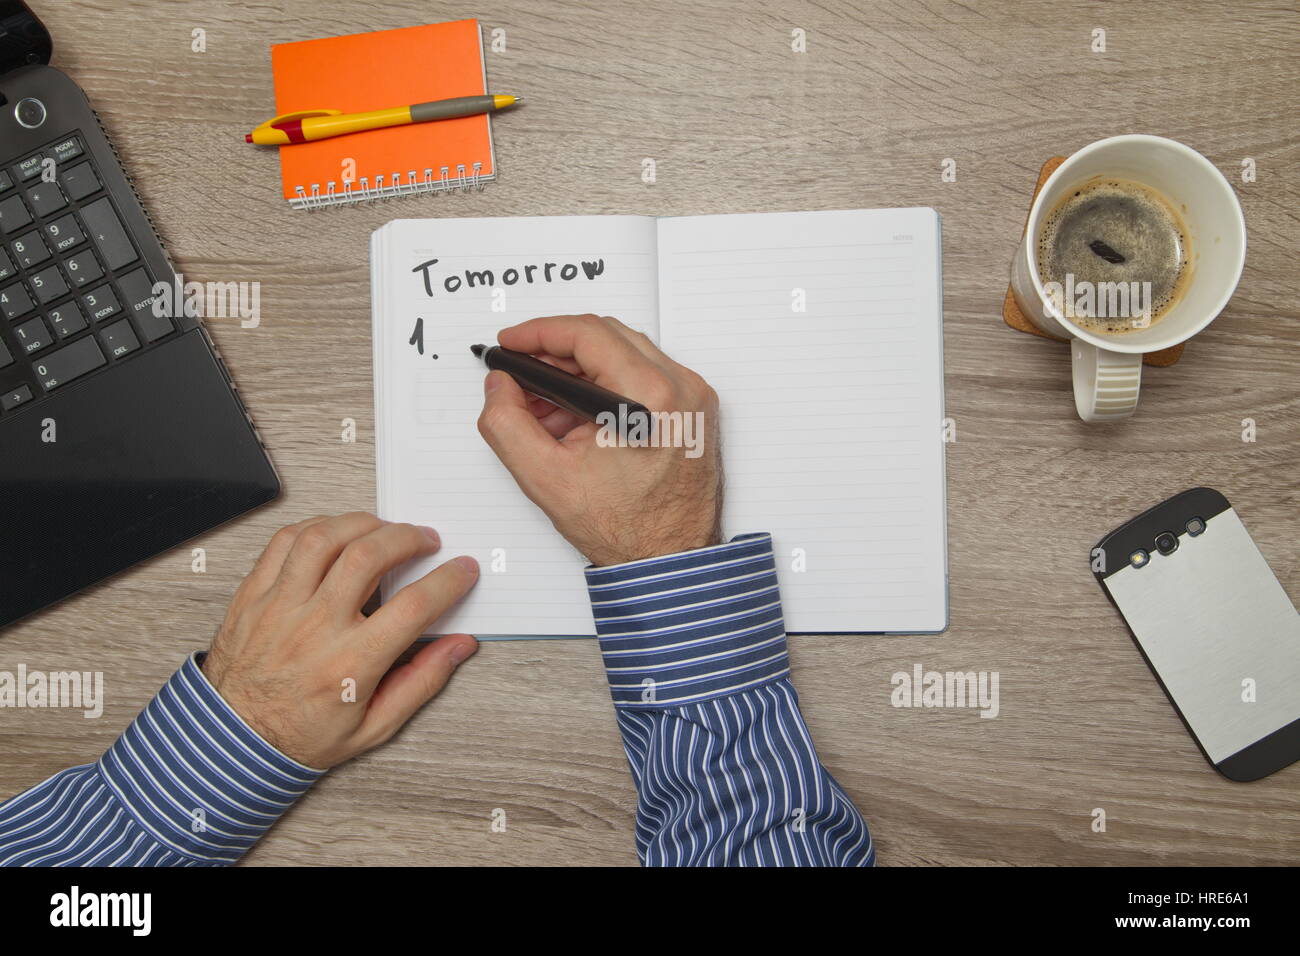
530, 274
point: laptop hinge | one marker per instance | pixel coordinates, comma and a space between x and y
24, 40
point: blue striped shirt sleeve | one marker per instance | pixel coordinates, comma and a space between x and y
188, 784
726, 773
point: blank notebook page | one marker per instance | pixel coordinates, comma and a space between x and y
434, 468
822, 333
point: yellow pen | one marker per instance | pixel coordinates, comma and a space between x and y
321, 124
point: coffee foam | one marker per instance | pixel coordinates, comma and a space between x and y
1135, 221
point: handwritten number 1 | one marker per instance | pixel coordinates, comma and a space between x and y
417, 338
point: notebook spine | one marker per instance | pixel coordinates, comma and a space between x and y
391, 187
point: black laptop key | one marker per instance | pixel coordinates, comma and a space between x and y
32, 336
119, 339
29, 249
15, 397
13, 214
101, 303
7, 269
45, 199
64, 233
83, 269
48, 284
65, 150
6, 181
106, 229
5, 357
66, 319
29, 168
155, 327
70, 362
137, 291
15, 302
80, 181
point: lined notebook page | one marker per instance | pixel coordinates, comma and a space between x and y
822, 333
434, 468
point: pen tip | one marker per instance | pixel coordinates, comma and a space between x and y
248, 137
477, 350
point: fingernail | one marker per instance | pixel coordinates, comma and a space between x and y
462, 652
433, 535
491, 383
468, 563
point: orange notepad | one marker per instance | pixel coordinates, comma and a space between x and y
370, 71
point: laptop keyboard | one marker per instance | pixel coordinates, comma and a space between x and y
75, 293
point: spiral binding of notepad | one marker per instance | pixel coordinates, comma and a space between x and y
314, 197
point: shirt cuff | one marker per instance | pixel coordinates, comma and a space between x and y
690, 627
196, 777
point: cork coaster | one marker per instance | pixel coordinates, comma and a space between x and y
1012, 315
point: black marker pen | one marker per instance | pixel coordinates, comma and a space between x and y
585, 399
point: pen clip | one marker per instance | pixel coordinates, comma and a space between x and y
274, 122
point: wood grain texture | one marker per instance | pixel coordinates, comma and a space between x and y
738, 122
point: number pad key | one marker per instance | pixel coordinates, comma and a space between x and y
30, 250
137, 290
83, 269
32, 336
66, 319
14, 301
48, 284
45, 199
106, 229
119, 338
7, 269
13, 214
80, 182
101, 303
72, 361
64, 233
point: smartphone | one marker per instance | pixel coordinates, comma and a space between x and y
1215, 627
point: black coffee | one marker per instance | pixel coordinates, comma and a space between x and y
1119, 253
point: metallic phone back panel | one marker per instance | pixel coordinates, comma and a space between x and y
1208, 617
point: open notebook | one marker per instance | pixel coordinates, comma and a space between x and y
820, 331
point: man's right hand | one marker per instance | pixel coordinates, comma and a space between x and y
613, 504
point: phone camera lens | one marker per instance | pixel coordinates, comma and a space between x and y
1195, 526
1166, 542
30, 113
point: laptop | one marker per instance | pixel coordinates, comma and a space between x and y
121, 432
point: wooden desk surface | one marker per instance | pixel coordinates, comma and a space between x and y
738, 122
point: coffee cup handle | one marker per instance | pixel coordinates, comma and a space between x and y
1106, 383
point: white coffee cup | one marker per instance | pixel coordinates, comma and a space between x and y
1108, 366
